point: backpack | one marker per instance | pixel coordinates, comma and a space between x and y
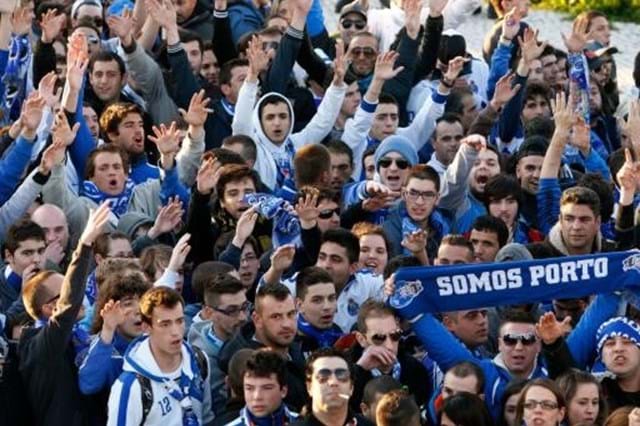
145, 384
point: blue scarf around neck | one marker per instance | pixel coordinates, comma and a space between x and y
119, 203
325, 338
277, 418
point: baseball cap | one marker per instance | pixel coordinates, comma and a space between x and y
78, 3
353, 8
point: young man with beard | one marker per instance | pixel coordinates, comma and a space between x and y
316, 301
160, 362
273, 325
488, 235
446, 142
225, 310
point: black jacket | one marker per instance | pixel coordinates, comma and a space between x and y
244, 338
616, 397
47, 355
200, 21
353, 419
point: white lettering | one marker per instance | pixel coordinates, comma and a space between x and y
601, 267
460, 284
569, 271
536, 272
515, 278
444, 286
552, 273
479, 283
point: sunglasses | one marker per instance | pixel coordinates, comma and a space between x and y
379, 339
328, 213
546, 405
233, 311
347, 23
366, 51
513, 339
400, 163
342, 374
270, 45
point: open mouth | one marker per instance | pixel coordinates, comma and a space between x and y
373, 264
482, 179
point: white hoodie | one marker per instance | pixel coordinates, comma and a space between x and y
317, 129
125, 400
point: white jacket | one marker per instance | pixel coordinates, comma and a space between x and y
317, 129
125, 400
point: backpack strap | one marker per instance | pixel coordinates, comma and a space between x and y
201, 360
146, 394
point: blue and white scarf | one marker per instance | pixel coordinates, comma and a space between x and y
286, 226
324, 338
119, 203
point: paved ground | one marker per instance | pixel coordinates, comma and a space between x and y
626, 37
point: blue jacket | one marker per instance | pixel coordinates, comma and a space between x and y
244, 18
465, 221
102, 364
12, 167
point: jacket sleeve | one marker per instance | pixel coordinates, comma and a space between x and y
231, 255
170, 186
625, 229
309, 60
44, 61
189, 158
204, 232
83, 144
242, 123
509, 124
12, 166
559, 359
548, 198
354, 193
499, 66
424, 123
484, 122
324, 119
400, 86
355, 134
20, 201
280, 70
57, 192
242, 23
96, 371
125, 401
453, 195
223, 45
429, 49
186, 84
594, 163
57, 332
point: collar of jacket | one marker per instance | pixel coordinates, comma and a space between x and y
556, 240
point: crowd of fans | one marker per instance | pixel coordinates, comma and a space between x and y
204, 205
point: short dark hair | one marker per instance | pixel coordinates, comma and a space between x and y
540, 126
101, 244
424, 172
488, 223
501, 186
273, 99
20, 231
107, 56
329, 352
203, 271
278, 291
454, 105
397, 262
224, 156
467, 368
309, 163
379, 385
603, 188
338, 147
397, 408
236, 368
219, 284
187, 36
264, 363
226, 71
457, 240
233, 173
447, 117
108, 148
386, 98
249, 149
533, 89
310, 276
373, 309
117, 288
581, 196
156, 297
345, 239
465, 408
517, 316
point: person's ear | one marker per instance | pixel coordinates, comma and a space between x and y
365, 409
481, 396
146, 327
298, 304
206, 313
361, 339
225, 89
283, 391
353, 268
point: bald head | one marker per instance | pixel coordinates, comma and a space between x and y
54, 223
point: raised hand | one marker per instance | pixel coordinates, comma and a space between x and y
52, 156
627, 176
504, 91
307, 207
198, 111
632, 126
563, 113
76, 69
208, 175
98, 219
454, 69
61, 131
412, 9
31, 116
282, 257
21, 21
163, 12
477, 142
581, 138
245, 226
634, 417
77, 47
416, 242
258, 59
339, 64
578, 38
378, 202
51, 24
179, 253
113, 315
168, 218
530, 46
436, 7
47, 89
384, 66
511, 24
166, 139
377, 189
122, 26
549, 329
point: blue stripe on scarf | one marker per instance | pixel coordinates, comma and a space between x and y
119, 203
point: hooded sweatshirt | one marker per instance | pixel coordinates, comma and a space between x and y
274, 163
125, 401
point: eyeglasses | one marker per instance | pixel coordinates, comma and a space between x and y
366, 51
347, 23
93, 39
546, 405
401, 163
513, 339
413, 195
233, 311
266, 45
379, 339
328, 213
342, 374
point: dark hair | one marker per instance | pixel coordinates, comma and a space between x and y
345, 239
23, 230
466, 409
502, 186
249, 150
379, 385
397, 408
156, 297
636, 70
102, 149
540, 126
581, 196
117, 288
517, 316
338, 147
233, 173
264, 363
226, 71
457, 240
310, 276
372, 309
603, 188
116, 267
187, 36
101, 244
87, 22
466, 369
514, 387
447, 117
424, 172
113, 115
309, 163
329, 352
270, 31
386, 98
533, 89
454, 105
236, 368
201, 275
224, 156
545, 383
398, 262
107, 56
219, 284
569, 382
488, 223
273, 99
278, 291
361, 229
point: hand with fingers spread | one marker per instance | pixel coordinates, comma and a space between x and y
21, 21
453, 70
98, 219
245, 226
505, 91
307, 207
168, 218
385, 63
581, 137
258, 59
378, 202
61, 131
113, 315
632, 126
197, 113
77, 47
579, 36
31, 116
208, 175
549, 329
627, 178
122, 26
415, 242
52, 156
530, 46
167, 140
339, 64
436, 7
378, 357
563, 113
282, 257
412, 9
179, 254
511, 24
376, 189
163, 12
47, 89
51, 24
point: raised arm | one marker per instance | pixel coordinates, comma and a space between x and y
258, 61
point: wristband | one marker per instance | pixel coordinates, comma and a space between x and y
446, 84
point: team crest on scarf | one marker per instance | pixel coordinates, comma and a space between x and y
631, 263
405, 292
352, 307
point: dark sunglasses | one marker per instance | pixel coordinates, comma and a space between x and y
400, 163
342, 374
379, 339
347, 23
328, 213
513, 339
270, 45
366, 51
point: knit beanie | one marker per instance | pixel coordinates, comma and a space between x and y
399, 144
618, 327
512, 253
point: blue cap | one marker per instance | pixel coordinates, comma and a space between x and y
118, 7
399, 144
